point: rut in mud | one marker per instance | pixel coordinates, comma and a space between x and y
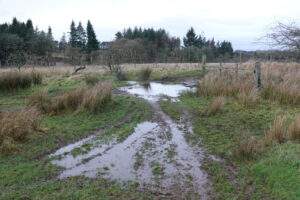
156, 154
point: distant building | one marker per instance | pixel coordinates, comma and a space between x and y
105, 45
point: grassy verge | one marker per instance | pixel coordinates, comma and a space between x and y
28, 174
272, 174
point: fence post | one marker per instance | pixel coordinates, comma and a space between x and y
203, 59
236, 70
257, 75
220, 68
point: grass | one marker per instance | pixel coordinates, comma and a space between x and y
216, 106
27, 172
237, 135
13, 80
15, 127
294, 129
145, 74
91, 99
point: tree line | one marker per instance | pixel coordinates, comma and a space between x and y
21, 43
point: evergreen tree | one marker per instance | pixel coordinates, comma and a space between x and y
81, 40
73, 35
118, 35
62, 45
49, 34
92, 42
191, 38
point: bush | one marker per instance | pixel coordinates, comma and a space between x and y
16, 127
10, 81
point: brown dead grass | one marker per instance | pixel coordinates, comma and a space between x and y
91, 99
294, 129
216, 105
16, 127
249, 99
277, 132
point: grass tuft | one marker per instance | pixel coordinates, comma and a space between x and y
92, 99
294, 129
16, 127
277, 132
13, 80
216, 105
145, 74
249, 99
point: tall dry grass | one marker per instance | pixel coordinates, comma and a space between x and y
281, 83
277, 132
14, 80
91, 99
248, 99
225, 84
145, 74
16, 127
294, 129
216, 105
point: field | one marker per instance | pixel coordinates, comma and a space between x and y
248, 139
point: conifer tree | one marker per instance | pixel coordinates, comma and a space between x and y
73, 35
92, 42
81, 40
191, 38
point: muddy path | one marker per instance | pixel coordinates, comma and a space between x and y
156, 154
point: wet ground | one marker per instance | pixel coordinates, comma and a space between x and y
156, 154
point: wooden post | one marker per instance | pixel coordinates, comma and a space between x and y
257, 75
236, 70
203, 59
220, 68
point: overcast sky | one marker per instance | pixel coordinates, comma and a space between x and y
241, 22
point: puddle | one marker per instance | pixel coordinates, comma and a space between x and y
156, 154
153, 90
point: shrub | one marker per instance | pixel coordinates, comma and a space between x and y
294, 129
16, 126
277, 132
18, 80
145, 74
216, 105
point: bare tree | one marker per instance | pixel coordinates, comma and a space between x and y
286, 36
